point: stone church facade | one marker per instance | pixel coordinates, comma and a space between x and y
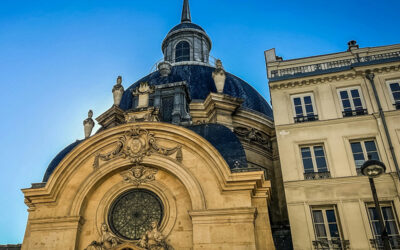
186, 158
192, 157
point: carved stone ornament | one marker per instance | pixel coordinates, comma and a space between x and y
253, 135
148, 115
135, 145
118, 91
139, 174
144, 88
88, 124
153, 239
106, 241
219, 76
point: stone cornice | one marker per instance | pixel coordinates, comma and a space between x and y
333, 77
229, 215
326, 122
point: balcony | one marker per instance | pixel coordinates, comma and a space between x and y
377, 243
317, 175
332, 66
308, 118
356, 112
335, 244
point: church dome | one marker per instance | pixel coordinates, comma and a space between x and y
183, 26
200, 84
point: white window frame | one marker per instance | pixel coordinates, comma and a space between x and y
301, 96
390, 90
365, 153
382, 204
348, 89
313, 158
324, 208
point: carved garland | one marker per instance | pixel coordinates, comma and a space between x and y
135, 145
253, 135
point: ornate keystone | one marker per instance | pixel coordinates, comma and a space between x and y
219, 77
88, 124
139, 174
118, 91
164, 68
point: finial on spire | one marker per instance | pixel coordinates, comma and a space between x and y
186, 12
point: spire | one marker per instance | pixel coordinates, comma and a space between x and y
186, 12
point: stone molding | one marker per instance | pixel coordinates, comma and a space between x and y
332, 77
221, 216
56, 223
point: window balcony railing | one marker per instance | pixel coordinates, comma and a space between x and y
356, 112
335, 244
308, 118
377, 243
397, 105
317, 175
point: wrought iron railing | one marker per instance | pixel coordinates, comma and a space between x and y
394, 241
356, 112
334, 244
317, 175
308, 118
332, 65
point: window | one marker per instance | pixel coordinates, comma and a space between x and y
326, 227
182, 51
314, 162
352, 102
362, 150
394, 87
390, 223
304, 108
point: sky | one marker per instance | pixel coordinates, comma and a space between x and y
60, 58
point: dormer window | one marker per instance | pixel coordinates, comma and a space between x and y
182, 51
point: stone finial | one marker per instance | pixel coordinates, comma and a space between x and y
219, 76
88, 124
352, 45
164, 68
118, 91
143, 92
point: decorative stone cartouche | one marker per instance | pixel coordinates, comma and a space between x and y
118, 91
164, 68
219, 76
88, 124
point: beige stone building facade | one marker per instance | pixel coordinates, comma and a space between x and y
185, 158
330, 113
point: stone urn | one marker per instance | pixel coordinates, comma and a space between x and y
164, 68
88, 124
219, 77
118, 91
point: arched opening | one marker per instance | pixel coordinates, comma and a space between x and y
182, 51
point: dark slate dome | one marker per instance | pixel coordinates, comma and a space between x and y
200, 84
225, 141
186, 26
54, 163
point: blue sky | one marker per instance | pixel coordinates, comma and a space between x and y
58, 59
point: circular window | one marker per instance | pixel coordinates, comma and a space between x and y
131, 213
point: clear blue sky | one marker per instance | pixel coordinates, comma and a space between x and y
60, 58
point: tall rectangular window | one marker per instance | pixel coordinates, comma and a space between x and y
352, 101
326, 228
394, 87
390, 223
304, 108
362, 150
314, 162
